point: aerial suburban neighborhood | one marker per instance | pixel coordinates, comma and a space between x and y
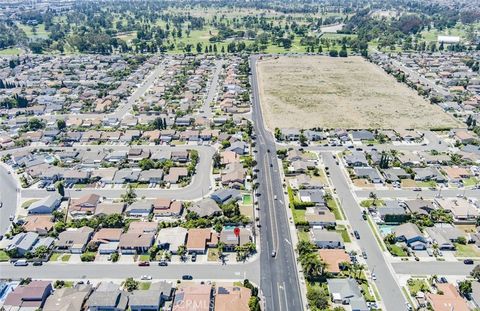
202, 155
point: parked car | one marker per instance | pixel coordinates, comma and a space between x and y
356, 234
187, 277
37, 263
20, 263
468, 261
146, 277
274, 253
163, 263
144, 263
194, 257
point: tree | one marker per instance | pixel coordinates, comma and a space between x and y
182, 251
41, 251
317, 297
61, 125
333, 53
465, 288
129, 196
61, 188
476, 273
130, 284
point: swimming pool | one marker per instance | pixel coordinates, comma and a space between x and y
247, 199
385, 229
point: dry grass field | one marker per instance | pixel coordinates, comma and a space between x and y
322, 91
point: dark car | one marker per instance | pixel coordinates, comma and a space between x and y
468, 261
37, 263
194, 257
163, 263
356, 234
187, 277
144, 263
442, 280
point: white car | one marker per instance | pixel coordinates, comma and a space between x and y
146, 277
374, 277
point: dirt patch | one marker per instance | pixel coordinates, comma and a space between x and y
321, 91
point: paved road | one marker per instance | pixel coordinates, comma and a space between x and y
426, 194
199, 186
434, 267
125, 107
212, 91
8, 195
121, 271
279, 279
386, 282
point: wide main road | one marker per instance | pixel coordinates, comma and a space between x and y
199, 271
390, 291
279, 280
8, 197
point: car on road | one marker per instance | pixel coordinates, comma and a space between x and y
417, 189
11, 218
187, 277
374, 277
275, 197
274, 253
364, 215
356, 234
37, 263
163, 263
146, 277
20, 263
144, 264
364, 254
1, 204
468, 261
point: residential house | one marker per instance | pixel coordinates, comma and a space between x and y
232, 298
444, 236
23, 242
29, 297
109, 208
447, 299
74, 240
167, 208
197, 296
420, 206
356, 159
107, 297
231, 241
370, 173
85, 205
198, 240
172, 238
225, 195
68, 298
40, 224
141, 208
347, 292
205, 208
46, 205
326, 239
411, 235
335, 259
461, 209
107, 240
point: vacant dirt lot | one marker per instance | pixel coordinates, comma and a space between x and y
321, 91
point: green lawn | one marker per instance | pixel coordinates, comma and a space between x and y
333, 206
55, 256
213, 255
472, 181
369, 202
26, 204
144, 257
379, 240
4, 256
303, 236
427, 184
66, 257
344, 233
468, 250
366, 292
298, 215
11, 51
144, 285
396, 250
417, 285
